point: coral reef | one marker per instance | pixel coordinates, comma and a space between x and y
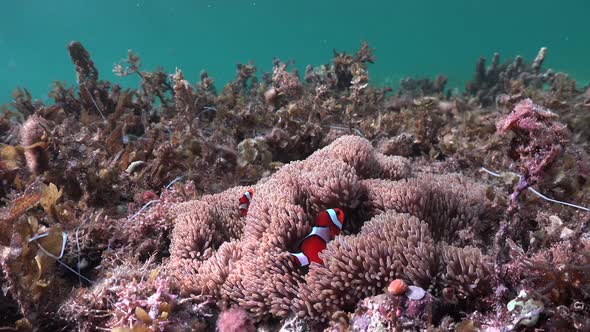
415, 88
507, 78
120, 208
390, 313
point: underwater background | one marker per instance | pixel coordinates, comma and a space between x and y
411, 38
176, 204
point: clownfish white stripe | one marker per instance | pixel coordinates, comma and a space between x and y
322, 232
248, 196
334, 218
303, 260
243, 206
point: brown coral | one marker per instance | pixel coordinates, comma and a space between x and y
34, 136
509, 77
257, 273
85, 70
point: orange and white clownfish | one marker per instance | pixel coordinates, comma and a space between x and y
328, 225
245, 201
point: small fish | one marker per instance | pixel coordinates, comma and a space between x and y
245, 201
328, 225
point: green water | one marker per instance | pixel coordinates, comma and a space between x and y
411, 38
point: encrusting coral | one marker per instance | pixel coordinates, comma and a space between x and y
235, 319
414, 219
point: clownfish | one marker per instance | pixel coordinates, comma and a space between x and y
327, 225
245, 201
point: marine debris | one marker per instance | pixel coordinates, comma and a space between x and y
177, 207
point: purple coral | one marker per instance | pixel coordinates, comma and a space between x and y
538, 142
235, 320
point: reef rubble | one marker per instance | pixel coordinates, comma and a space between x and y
120, 208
